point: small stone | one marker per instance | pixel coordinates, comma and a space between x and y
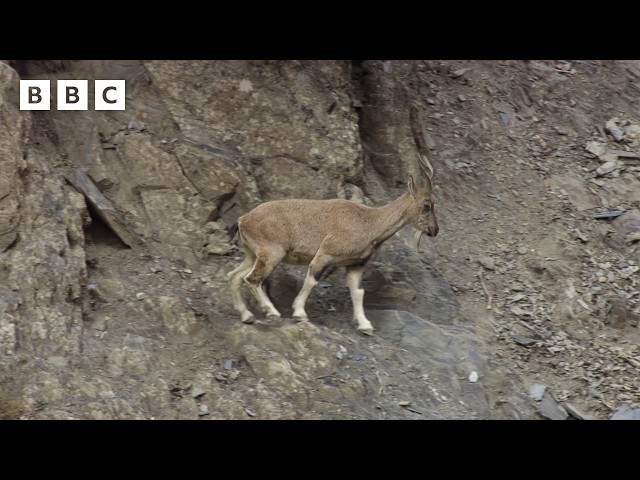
487, 262
404, 403
228, 364
249, 412
473, 377
606, 168
607, 215
549, 408
574, 412
517, 297
197, 392
596, 148
522, 250
141, 296
537, 391
459, 72
613, 129
203, 410
245, 85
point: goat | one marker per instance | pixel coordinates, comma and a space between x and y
323, 233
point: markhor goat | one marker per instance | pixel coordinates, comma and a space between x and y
321, 233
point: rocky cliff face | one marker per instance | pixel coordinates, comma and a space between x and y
113, 293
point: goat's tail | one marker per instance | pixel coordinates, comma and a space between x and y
232, 231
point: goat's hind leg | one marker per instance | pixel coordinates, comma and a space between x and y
262, 268
235, 279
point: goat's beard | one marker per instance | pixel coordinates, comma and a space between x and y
418, 236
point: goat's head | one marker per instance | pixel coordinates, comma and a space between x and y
423, 216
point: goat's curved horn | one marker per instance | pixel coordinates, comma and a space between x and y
425, 166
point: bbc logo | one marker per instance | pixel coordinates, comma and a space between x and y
72, 95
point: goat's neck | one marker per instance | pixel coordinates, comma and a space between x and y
391, 217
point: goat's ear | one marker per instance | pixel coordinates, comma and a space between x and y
412, 186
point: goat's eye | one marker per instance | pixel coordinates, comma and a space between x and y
426, 208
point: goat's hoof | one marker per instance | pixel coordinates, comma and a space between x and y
249, 320
366, 331
273, 317
300, 318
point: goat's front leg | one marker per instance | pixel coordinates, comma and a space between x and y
299, 313
354, 282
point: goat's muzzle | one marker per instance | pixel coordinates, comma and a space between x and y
430, 232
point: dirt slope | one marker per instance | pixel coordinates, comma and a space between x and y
523, 286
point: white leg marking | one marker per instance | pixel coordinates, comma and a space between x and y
266, 305
354, 276
299, 313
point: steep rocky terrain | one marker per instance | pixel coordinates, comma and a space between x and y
114, 302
